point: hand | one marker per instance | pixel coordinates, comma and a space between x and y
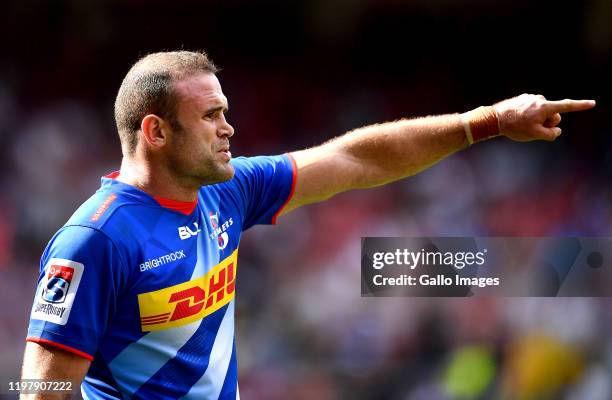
532, 117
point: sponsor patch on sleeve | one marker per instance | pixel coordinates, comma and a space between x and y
56, 290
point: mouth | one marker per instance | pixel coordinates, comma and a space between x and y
225, 152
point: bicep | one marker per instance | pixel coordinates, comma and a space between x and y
52, 364
323, 172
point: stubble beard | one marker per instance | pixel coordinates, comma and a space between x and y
207, 169
214, 171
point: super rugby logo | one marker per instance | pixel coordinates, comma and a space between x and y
58, 283
189, 301
219, 231
56, 290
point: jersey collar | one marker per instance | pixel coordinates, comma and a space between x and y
184, 207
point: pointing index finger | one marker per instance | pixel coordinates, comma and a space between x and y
568, 105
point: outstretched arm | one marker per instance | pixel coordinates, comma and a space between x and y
378, 154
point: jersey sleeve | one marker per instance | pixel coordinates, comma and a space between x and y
80, 278
263, 186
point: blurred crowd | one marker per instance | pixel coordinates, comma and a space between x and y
299, 74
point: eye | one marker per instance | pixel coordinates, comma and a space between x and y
213, 114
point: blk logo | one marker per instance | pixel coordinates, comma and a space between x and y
185, 232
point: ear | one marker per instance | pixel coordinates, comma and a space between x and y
153, 130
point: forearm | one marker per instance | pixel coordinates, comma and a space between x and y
394, 150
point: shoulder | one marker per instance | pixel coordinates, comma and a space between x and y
78, 247
260, 187
96, 210
254, 174
103, 208
104, 222
73, 240
75, 247
258, 164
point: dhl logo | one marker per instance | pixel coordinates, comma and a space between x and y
189, 301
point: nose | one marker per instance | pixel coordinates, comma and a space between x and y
225, 129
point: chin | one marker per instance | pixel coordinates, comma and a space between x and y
224, 173
229, 172
218, 174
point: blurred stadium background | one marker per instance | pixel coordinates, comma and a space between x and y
297, 73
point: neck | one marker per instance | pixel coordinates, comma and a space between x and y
156, 181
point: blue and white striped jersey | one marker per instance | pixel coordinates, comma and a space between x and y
146, 288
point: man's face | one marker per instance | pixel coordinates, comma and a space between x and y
199, 151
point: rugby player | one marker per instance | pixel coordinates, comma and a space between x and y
136, 292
